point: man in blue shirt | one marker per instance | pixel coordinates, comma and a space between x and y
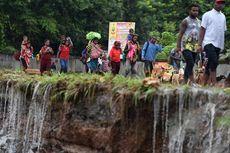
148, 54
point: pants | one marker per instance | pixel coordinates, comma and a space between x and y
176, 64
148, 67
115, 67
64, 65
190, 58
130, 66
212, 53
45, 65
24, 64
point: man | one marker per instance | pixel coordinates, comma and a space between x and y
148, 54
211, 38
187, 41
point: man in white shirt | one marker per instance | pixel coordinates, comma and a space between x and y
211, 38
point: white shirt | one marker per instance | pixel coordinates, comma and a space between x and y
215, 24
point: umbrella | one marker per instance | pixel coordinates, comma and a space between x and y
92, 35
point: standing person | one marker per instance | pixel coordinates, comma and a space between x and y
211, 38
148, 54
132, 50
94, 51
114, 56
187, 41
62, 42
46, 53
64, 54
26, 54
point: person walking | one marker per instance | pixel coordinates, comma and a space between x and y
26, 54
132, 50
148, 54
94, 51
46, 53
64, 54
114, 56
187, 41
211, 39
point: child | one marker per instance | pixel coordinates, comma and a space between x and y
114, 56
105, 63
24, 42
130, 35
84, 58
53, 65
175, 59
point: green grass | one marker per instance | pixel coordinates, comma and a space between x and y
73, 86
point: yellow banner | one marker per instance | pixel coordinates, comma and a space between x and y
118, 31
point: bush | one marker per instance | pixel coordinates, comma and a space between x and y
167, 49
8, 50
162, 56
155, 34
167, 38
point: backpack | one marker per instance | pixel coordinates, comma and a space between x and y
83, 57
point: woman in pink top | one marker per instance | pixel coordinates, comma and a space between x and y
132, 55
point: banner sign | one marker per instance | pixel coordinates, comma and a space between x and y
119, 31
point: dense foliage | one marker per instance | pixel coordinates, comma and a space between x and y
40, 19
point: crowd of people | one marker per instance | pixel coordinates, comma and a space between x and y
197, 41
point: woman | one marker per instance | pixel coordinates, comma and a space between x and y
132, 49
64, 53
94, 51
46, 53
114, 55
26, 54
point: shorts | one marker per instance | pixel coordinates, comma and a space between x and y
212, 53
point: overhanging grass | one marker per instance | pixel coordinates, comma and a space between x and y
73, 86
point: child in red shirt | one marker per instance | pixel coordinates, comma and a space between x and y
114, 55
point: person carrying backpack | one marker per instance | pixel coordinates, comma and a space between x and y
148, 54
